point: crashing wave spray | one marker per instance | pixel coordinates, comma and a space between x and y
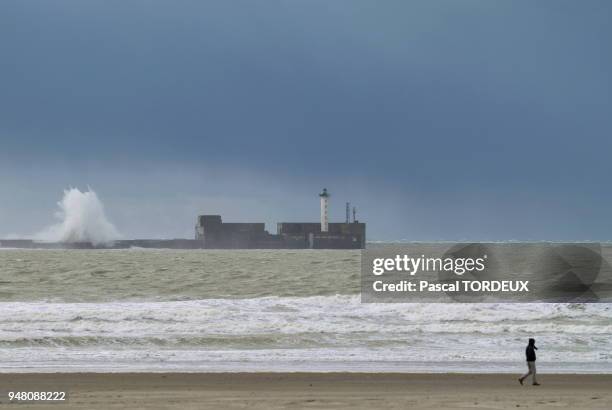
82, 220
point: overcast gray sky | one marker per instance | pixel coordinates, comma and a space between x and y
476, 120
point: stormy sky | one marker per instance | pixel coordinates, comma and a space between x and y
440, 120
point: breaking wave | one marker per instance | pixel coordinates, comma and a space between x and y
319, 333
82, 220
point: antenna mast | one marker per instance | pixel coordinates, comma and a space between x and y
348, 212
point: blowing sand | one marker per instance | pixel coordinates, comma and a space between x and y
312, 390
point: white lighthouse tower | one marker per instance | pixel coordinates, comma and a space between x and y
324, 203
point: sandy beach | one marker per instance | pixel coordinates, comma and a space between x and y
313, 390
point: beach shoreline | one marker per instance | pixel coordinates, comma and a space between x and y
312, 390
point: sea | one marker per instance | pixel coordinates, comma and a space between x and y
149, 310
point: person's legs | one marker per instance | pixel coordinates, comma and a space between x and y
526, 375
532, 370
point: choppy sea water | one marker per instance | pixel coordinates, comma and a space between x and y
256, 310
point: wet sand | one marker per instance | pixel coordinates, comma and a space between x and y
311, 390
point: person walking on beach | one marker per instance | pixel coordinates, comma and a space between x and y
531, 359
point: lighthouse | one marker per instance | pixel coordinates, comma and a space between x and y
324, 203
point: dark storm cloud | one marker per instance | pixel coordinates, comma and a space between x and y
488, 104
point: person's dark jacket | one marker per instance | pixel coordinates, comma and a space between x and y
530, 353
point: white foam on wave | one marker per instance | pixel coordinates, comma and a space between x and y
82, 219
342, 316
309, 333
